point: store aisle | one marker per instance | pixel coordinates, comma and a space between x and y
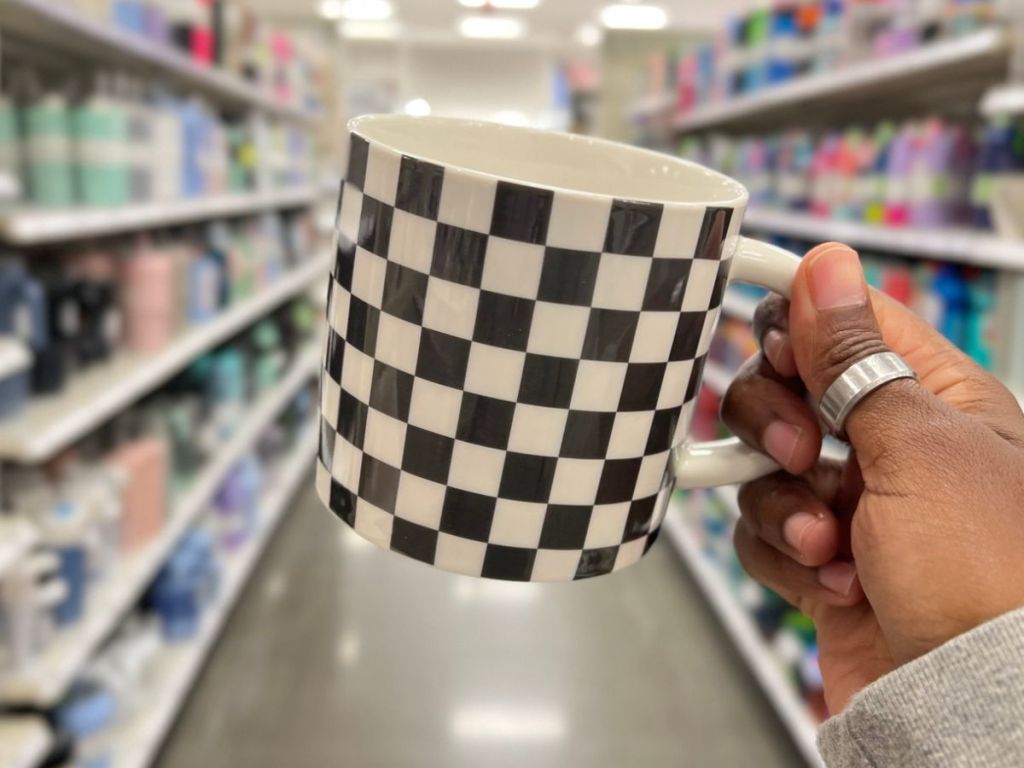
339, 654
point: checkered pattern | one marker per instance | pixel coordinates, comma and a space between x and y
508, 367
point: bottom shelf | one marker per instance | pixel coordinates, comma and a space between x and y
745, 635
136, 742
24, 741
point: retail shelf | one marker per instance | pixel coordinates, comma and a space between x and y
739, 305
58, 27
136, 742
744, 633
48, 424
652, 106
919, 73
24, 741
17, 537
1004, 100
717, 377
44, 682
958, 245
34, 226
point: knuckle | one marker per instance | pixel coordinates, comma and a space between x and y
844, 348
772, 312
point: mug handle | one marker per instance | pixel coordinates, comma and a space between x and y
729, 461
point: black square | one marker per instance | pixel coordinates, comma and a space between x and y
687, 338
633, 228
416, 541
485, 421
642, 386
327, 438
443, 358
459, 255
696, 376
335, 354
596, 562
666, 284
587, 434
343, 502
419, 187
405, 293
344, 262
548, 381
378, 483
610, 335
363, 321
638, 522
713, 230
663, 428
503, 321
468, 515
568, 276
526, 477
618, 479
375, 226
721, 281
427, 454
391, 391
509, 563
521, 213
651, 538
358, 152
341, 197
352, 419
329, 299
565, 526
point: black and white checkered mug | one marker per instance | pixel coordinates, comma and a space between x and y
518, 327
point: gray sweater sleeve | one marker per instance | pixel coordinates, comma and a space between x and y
960, 705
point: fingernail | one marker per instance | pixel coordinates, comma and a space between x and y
796, 527
837, 576
837, 279
779, 352
780, 440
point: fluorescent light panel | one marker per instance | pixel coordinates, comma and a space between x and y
368, 30
624, 16
330, 9
505, 5
491, 27
366, 10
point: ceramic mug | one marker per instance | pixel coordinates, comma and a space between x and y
519, 322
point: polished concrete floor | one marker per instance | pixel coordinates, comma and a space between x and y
341, 655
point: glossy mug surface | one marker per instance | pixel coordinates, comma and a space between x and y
519, 322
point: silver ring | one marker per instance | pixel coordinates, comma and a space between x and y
857, 382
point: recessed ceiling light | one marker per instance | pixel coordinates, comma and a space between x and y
491, 27
330, 9
417, 107
366, 10
517, 5
634, 16
368, 30
588, 35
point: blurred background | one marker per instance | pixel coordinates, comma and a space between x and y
171, 592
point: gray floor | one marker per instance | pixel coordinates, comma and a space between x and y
341, 655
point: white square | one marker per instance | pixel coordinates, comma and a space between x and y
652, 473
630, 434
661, 507
351, 210
630, 552
476, 468
467, 200
655, 332
323, 483
373, 523
412, 241
420, 500
330, 396
460, 555
555, 565
607, 525
368, 277
347, 463
576, 481
385, 437
398, 343
435, 407
338, 311
621, 282
732, 235
700, 285
579, 222
558, 330
357, 374
708, 331
598, 386
674, 384
512, 268
517, 524
494, 372
537, 430
382, 167
679, 232
683, 425
450, 308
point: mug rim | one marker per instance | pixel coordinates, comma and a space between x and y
740, 199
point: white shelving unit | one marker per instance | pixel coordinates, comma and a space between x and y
717, 377
654, 105
739, 305
24, 741
1004, 100
136, 742
17, 537
35, 226
55, 25
49, 424
741, 629
44, 682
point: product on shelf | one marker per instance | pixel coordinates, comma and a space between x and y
15, 376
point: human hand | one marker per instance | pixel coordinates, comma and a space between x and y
919, 536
